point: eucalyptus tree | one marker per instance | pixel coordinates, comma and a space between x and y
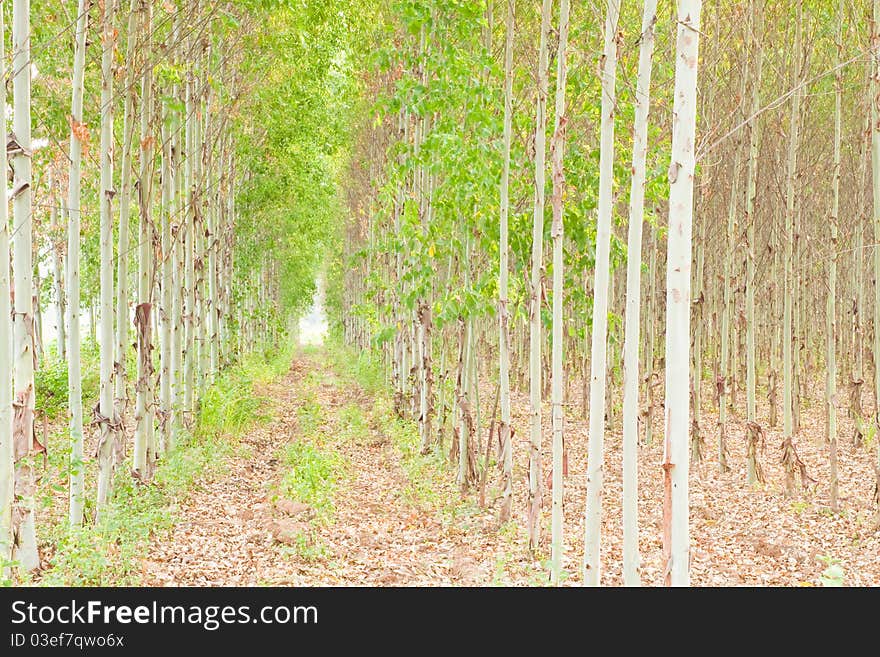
789, 456
535, 338
753, 429
144, 430
504, 429
108, 422
188, 242
678, 285
78, 134
7, 452
167, 313
831, 308
557, 148
642, 103
123, 314
26, 552
875, 168
595, 459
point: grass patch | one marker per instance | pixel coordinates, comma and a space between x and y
362, 368
309, 415
50, 380
311, 477
353, 423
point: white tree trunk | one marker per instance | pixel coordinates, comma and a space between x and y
143, 414
752, 467
875, 168
557, 232
166, 313
642, 103
189, 257
108, 421
535, 493
595, 459
74, 377
7, 453
123, 315
678, 295
57, 211
26, 552
787, 338
831, 311
503, 275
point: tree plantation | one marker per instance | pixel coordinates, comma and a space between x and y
431, 292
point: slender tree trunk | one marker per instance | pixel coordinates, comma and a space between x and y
789, 459
875, 168
557, 152
189, 259
109, 445
831, 310
535, 433
650, 337
143, 437
25, 552
167, 263
595, 465
7, 452
642, 104
678, 281
753, 430
58, 247
74, 377
504, 430
123, 316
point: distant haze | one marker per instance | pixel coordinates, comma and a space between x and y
313, 326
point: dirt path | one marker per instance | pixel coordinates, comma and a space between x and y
385, 527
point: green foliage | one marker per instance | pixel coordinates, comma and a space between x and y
50, 380
230, 405
363, 368
833, 574
311, 476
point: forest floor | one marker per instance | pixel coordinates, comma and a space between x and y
333, 491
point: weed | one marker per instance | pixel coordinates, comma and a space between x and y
311, 477
833, 573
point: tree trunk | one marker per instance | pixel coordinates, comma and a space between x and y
595, 459
74, 386
831, 309
535, 433
681, 182
642, 102
787, 337
109, 445
143, 414
557, 148
753, 430
123, 315
7, 452
875, 168
25, 552
504, 430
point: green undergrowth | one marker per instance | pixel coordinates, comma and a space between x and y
110, 552
311, 477
50, 380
